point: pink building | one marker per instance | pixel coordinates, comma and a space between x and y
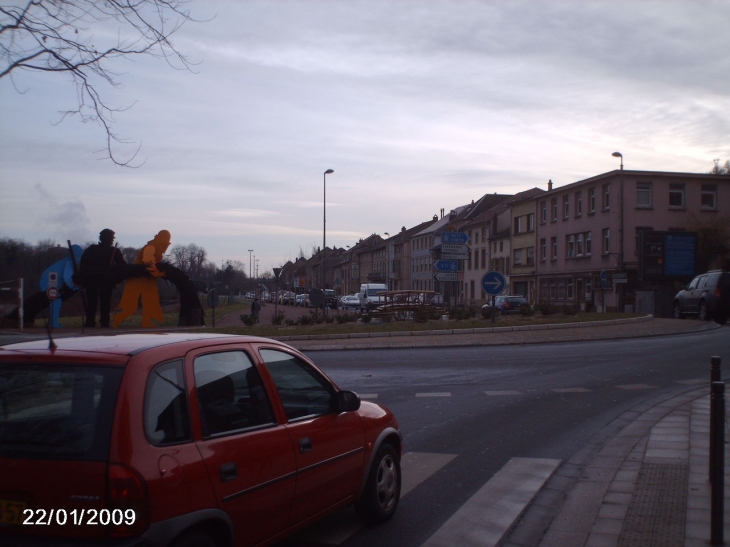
592, 225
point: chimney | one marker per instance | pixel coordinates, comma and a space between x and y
442, 213
550, 185
435, 217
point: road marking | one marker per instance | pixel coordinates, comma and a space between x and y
571, 390
500, 393
369, 396
693, 382
436, 394
637, 386
416, 467
487, 516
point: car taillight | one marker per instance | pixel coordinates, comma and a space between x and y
506, 305
127, 502
718, 292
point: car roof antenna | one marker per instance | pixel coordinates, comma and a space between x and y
51, 344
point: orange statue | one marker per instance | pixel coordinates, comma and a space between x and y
145, 287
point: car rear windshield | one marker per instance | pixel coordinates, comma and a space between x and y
57, 412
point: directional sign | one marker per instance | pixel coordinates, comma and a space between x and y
493, 283
446, 276
454, 237
604, 279
447, 265
454, 249
455, 257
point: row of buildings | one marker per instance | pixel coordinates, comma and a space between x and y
588, 243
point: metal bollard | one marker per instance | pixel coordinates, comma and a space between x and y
717, 462
715, 373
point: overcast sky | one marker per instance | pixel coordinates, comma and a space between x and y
415, 105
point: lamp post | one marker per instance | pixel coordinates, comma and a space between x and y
324, 230
621, 227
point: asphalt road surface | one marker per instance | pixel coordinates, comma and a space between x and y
466, 412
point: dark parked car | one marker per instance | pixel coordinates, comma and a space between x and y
182, 440
707, 296
509, 304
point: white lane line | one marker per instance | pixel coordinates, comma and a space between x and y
369, 396
435, 394
485, 518
500, 393
416, 467
636, 386
571, 390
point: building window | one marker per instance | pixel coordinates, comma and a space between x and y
579, 245
530, 256
606, 197
566, 206
569, 288
709, 196
570, 246
543, 249
591, 200
588, 243
501, 246
517, 260
554, 208
643, 194
676, 196
484, 259
554, 247
518, 225
606, 241
531, 222
543, 212
578, 203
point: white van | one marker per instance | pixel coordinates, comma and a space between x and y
368, 294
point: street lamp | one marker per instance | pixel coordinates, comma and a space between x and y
619, 155
324, 229
250, 272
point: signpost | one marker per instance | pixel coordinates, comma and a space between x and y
446, 276
447, 265
604, 284
493, 283
454, 237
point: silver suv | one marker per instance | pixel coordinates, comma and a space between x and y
707, 296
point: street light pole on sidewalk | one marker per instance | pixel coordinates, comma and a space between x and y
324, 232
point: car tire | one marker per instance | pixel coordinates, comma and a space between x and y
195, 539
678, 311
379, 500
702, 313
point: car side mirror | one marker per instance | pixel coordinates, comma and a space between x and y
348, 401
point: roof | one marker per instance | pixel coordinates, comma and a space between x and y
114, 345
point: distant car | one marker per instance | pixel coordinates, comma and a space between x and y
302, 300
350, 302
330, 298
707, 296
183, 439
507, 304
288, 298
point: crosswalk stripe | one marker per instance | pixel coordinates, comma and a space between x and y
500, 393
369, 396
484, 519
571, 390
437, 394
637, 386
416, 467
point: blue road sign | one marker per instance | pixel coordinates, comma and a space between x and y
493, 283
454, 237
604, 279
447, 265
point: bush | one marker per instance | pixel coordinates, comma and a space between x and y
278, 319
290, 322
421, 315
462, 312
367, 317
345, 318
247, 320
569, 309
526, 311
487, 312
547, 308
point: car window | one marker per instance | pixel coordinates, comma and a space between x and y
231, 394
303, 391
693, 284
166, 416
702, 283
57, 412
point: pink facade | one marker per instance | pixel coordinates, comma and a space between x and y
591, 226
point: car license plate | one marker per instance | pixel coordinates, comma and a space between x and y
11, 512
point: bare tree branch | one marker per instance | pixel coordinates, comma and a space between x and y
82, 38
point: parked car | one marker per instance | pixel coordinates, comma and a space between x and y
302, 300
288, 298
508, 304
330, 298
707, 296
183, 439
350, 302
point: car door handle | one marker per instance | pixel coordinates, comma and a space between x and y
228, 472
305, 445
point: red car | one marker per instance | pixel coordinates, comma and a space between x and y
182, 440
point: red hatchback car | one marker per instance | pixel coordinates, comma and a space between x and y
182, 440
